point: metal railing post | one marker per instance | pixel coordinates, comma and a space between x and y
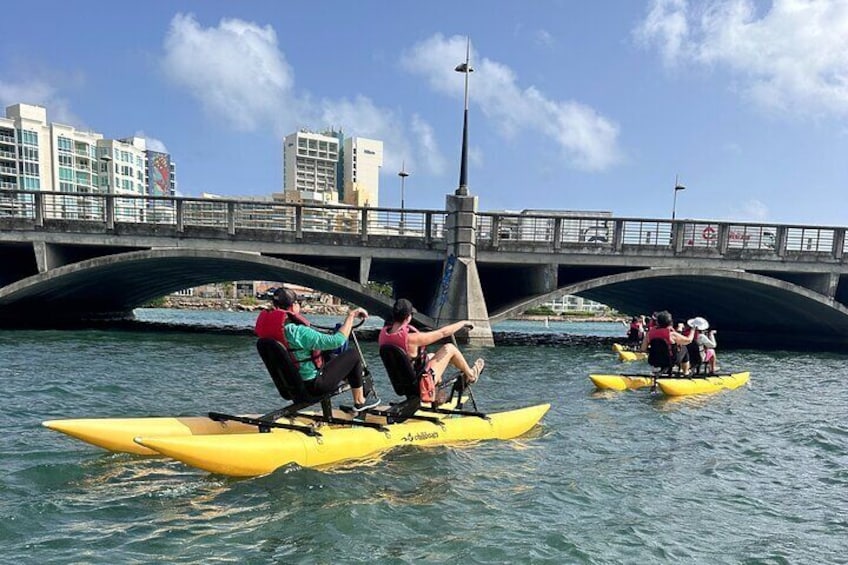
838, 243
677, 237
231, 218
557, 234
39, 209
364, 224
618, 235
496, 228
428, 227
298, 222
780, 241
180, 216
110, 211
723, 237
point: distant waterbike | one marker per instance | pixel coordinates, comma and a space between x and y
672, 385
626, 354
251, 445
662, 356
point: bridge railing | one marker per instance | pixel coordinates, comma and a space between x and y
597, 233
680, 237
230, 214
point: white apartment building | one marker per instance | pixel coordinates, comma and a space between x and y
363, 159
37, 155
122, 166
327, 168
129, 167
310, 167
571, 303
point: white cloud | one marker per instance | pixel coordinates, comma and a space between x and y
235, 70
752, 210
240, 75
791, 56
41, 93
587, 139
543, 38
433, 159
152, 143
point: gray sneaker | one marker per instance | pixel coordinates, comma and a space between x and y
370, 402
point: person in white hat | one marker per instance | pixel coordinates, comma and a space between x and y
706, 340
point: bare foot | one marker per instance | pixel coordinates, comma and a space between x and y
476, 369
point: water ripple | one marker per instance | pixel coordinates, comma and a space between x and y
756, 475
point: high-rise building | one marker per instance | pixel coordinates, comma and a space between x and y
310, 162
362, 161
327, 168
51, 157
158, 178
38, 155
122, 167
160, 171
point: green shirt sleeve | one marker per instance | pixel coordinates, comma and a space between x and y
303, 340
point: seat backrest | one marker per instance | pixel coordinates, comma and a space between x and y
695, 358
400, 370
282, 369
659, 354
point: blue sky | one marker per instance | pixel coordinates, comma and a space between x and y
573, 105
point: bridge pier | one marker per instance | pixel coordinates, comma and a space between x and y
364, 270
46, 256
460, 295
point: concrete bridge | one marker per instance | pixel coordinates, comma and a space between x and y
68, 257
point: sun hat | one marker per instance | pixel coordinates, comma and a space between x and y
698, 323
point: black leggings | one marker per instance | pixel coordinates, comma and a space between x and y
346, 366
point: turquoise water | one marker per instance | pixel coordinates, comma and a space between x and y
756, 475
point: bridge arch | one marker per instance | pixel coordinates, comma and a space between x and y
749, 309
111, 286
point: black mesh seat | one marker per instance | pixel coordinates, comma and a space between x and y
404, 381
696, 361
286, 377
660, 355
401, 373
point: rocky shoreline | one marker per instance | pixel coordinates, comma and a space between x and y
232, 305
370, 335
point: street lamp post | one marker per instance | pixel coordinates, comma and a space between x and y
463, 167
402, 174
677, 188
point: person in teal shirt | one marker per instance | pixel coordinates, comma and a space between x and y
347, 366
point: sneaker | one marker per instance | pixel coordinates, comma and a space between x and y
369, 403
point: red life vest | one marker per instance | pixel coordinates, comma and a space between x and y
400, 338
271, 324
660, 333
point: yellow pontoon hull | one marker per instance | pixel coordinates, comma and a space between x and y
627, 355
117, 434
675, 386
702, 385
252, 453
